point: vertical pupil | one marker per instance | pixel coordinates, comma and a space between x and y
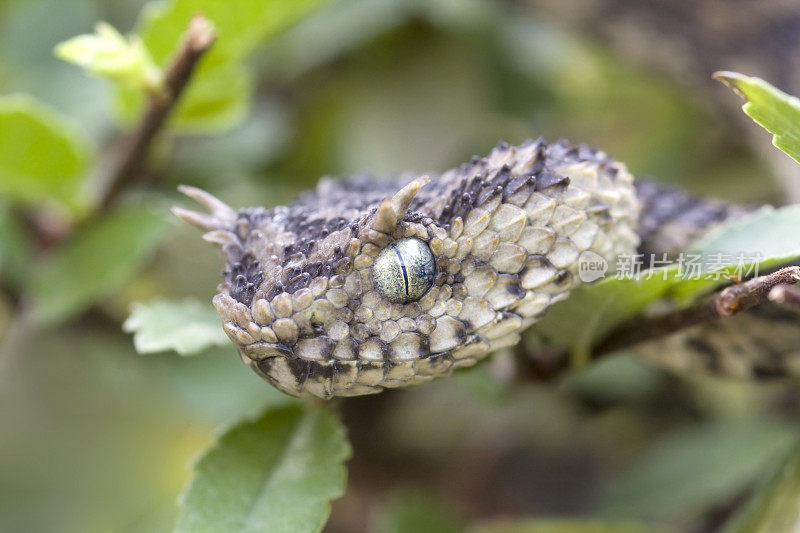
402, 266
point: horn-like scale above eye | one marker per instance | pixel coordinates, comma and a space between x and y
404, 271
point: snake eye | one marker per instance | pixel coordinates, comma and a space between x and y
403, 271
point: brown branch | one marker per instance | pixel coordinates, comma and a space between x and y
131, 150
127, 157
786, 296
730, 301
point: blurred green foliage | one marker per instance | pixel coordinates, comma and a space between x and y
42, 157
775, 506
107, 53
95, 261
694, 468
218, 97
98, 438
413, 510
562, 526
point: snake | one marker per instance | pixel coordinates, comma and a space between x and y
366, 283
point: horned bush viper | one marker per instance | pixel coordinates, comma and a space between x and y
367, 284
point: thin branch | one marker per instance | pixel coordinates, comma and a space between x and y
128, 155
729, 302
786, 296
131, 150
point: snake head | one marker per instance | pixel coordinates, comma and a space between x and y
368, 284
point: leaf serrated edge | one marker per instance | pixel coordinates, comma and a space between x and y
736, 82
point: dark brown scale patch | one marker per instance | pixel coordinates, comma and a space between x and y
545, 180
300, 281
369, 366
563, 278
534, 261
274, 290
424, 347
501, 178
341, 367
301, 247
244, 277
462, 201
564, 152
300, 368
490, 196
320, 371
514, 288
265, 365
539, 175
518, 184
313, 269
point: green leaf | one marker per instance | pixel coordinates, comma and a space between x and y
593, 311
769, 232
97, 259
775, 508
186, 327
41, 156
219, 94
534, 525
771, 108
277, 473
691, 470
107, 53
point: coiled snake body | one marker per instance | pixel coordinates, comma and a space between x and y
305, 295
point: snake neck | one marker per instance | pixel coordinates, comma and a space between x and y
670, 219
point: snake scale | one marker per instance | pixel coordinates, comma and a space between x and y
367, 284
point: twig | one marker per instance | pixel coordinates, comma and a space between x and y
746, 295
786, 296
131, 151
128, 156
730, 301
